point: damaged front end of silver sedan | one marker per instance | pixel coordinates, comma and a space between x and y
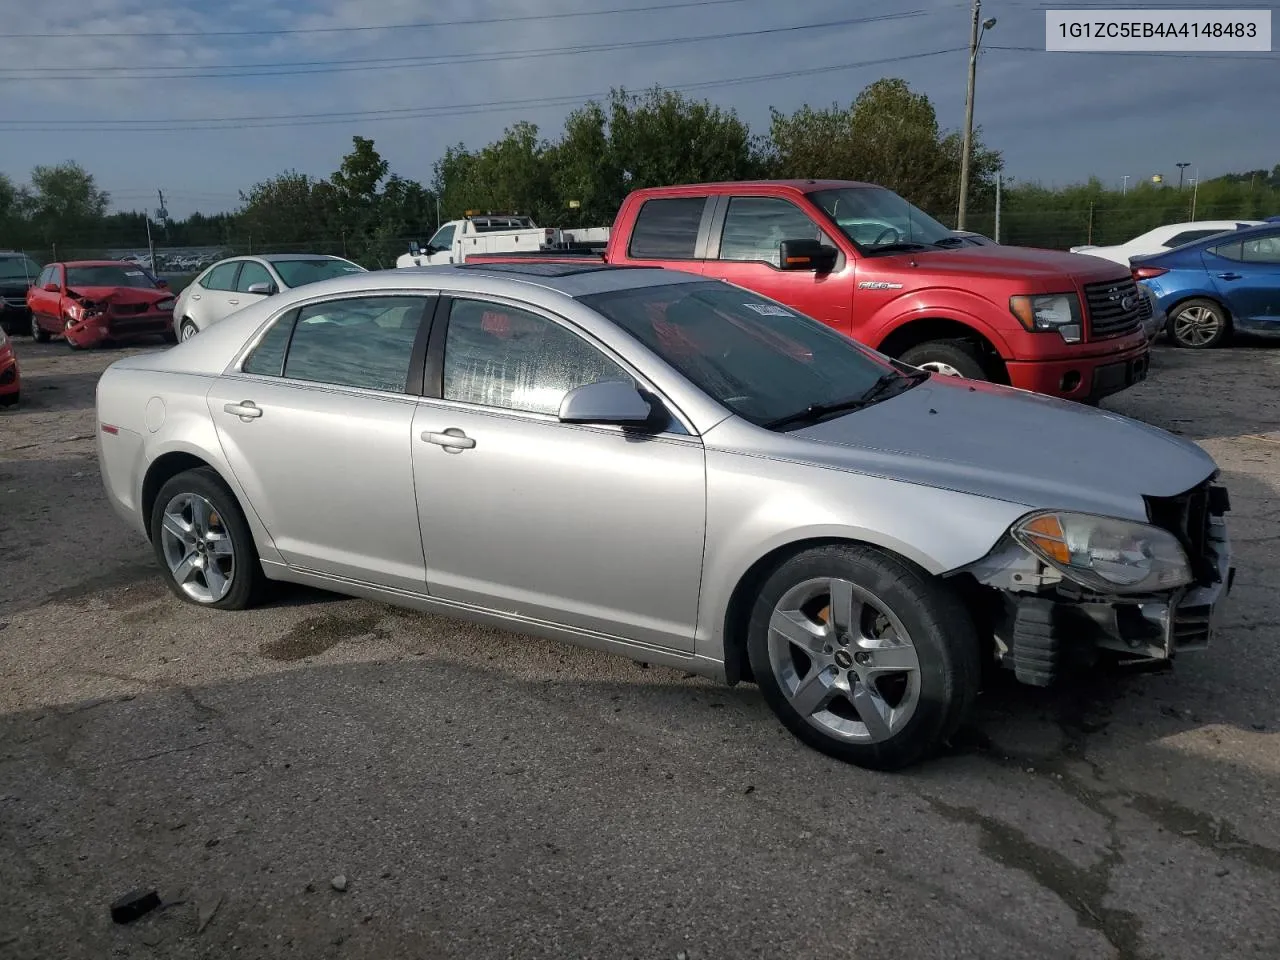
1063, 590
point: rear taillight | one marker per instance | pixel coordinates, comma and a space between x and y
1146, 273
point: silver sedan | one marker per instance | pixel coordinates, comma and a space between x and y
673, 469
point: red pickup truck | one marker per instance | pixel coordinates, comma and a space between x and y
864, 260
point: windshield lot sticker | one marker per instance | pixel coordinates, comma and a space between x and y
768, 310
879, 285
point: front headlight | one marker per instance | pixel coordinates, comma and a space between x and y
1104, 554
1053, 312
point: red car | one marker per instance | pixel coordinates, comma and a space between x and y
10, 378
88, 302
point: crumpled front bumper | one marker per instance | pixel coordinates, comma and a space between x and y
1043, 639
98, 328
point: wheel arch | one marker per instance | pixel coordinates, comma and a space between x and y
737, 613
920, 330
163, 469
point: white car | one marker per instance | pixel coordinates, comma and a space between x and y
1164, 238
233, 284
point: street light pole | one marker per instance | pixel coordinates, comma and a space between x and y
1181, 168
975, 40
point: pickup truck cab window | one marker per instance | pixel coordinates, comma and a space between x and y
755, 226
878, 219
443, 240
667, 229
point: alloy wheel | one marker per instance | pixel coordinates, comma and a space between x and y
945, 369
197, 548
844, 661
1196, 326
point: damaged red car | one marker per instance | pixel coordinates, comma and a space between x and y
10, 377
89, 302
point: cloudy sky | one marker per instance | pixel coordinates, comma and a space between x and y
202, 99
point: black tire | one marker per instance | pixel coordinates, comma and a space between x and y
937, 622
956, 354
1185, 337
248, 580
10, 400
38, 333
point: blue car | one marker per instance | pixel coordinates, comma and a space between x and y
1210, 288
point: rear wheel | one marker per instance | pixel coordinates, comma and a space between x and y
38, 333
9, 400
863, 655
1198, 325
203, 542
952, 358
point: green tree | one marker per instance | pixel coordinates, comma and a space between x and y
290, 209
890, 136
64, 203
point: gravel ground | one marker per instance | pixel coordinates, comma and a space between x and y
483, 794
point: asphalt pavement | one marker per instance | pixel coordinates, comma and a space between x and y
326, 777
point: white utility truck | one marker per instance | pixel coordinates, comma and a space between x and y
498, 233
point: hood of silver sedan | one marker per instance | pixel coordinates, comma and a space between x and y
1011, 445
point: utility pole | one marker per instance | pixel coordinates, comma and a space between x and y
1124, 186
151, 250
162, 213
975, 38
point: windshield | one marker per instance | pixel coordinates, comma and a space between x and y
19, 268
873, 217
106, 275
763, 361
298, 273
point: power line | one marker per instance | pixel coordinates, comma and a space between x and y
448, 110
399, 63
283, 31
1135, 53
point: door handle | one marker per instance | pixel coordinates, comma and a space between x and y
195, 296
452, 439
1228, 276
246, 410
233, 301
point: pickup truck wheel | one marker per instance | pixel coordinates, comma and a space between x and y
862, 655
952, 358
1198, 325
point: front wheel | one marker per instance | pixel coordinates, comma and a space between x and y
66, 327
188, 329
203, 542
1198, 325
951, 358
863, 655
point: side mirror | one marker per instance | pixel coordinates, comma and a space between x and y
806, 255
266, 289
615, 402
51, 287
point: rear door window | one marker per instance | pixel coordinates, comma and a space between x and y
222, 277
667, 229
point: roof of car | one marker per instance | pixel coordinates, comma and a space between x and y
573, 280
728, 186
282, 257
